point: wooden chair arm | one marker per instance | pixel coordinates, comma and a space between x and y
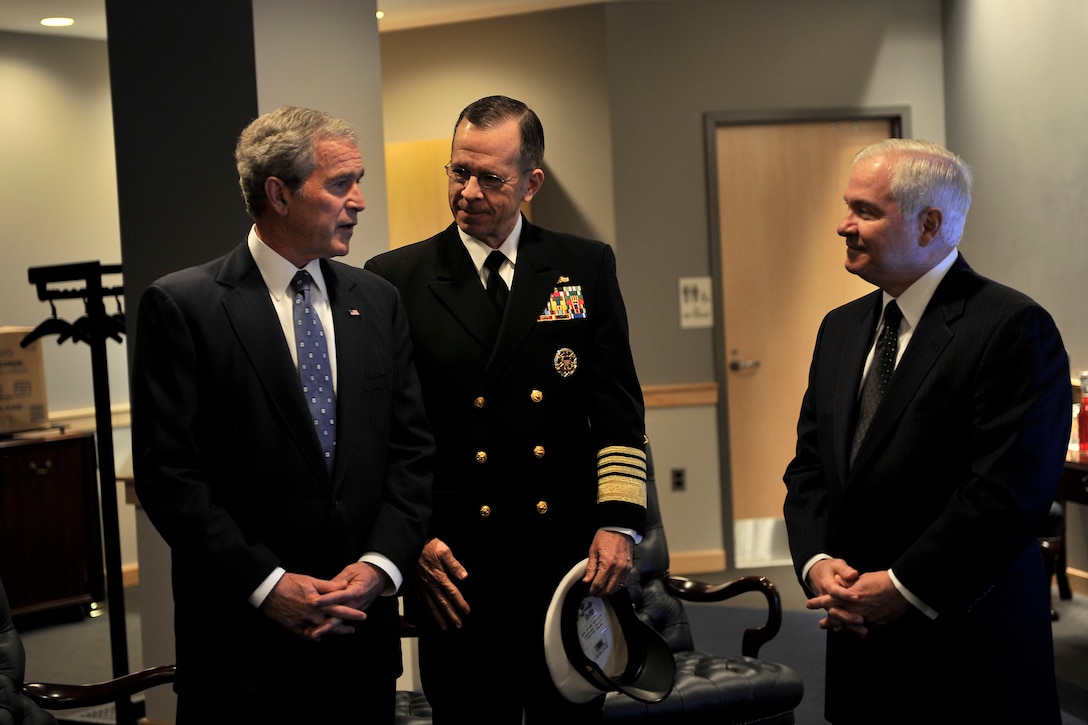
696, 591
58, 697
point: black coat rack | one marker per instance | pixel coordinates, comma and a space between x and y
94, 329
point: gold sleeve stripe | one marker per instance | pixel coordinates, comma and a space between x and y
621, 475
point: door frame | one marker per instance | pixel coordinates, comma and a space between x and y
898, 116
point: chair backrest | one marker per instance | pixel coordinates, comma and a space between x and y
15, 707
12, 654
655, 606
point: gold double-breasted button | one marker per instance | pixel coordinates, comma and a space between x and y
479, 402
536, 396
542, 507
538, 451
485, 511
481, 456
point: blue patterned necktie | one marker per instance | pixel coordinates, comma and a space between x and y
880, 372
313, 365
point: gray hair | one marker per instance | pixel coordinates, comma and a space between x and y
281, 144
923, 175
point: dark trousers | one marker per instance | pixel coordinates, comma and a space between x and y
491, 677
293, 704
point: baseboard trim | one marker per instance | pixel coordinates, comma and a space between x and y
1078, 580
697, 562
680, 395
130, 575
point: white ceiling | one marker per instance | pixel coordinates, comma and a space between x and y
24, 15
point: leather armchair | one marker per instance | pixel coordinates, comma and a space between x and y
15, 707
709, 688
28, 703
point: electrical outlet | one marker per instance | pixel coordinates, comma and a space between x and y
679, 479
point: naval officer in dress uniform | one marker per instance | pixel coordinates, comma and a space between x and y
521, 343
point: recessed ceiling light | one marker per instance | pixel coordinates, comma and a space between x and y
379, 15
57, 22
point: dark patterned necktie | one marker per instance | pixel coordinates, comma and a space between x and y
496, 286
313, 366
880, 372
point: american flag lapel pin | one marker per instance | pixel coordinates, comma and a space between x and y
353, 312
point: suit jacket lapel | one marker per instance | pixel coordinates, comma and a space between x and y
351, 322
849, 382
457, 286
535, 276
254, 320
927, 343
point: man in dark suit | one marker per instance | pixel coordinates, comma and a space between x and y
538, 418
920, 543
286, 551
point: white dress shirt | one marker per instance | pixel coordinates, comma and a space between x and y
277, 273
912, 303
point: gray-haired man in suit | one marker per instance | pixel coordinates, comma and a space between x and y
290, 526
918, 539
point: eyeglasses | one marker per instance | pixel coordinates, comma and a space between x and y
486, 180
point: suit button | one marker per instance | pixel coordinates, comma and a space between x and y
481, 456
542, 507
479, 402
485, 511
536, 396
538, 451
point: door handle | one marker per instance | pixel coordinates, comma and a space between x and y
738, 365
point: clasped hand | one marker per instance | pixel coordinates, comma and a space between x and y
854, 602
312, 608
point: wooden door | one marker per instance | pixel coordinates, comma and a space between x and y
779, 197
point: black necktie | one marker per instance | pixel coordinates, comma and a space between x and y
496, 287
880, 372
313, 366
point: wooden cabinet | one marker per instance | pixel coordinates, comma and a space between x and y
50, 532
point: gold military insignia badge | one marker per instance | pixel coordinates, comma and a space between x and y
565, 361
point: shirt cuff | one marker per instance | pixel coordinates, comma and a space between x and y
261, 593
918, 603
391, 570
622, 530
808, 566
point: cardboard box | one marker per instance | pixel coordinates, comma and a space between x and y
22, 382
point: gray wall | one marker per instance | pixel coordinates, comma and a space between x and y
554, 61
1017, 103
670, 62
58, 193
